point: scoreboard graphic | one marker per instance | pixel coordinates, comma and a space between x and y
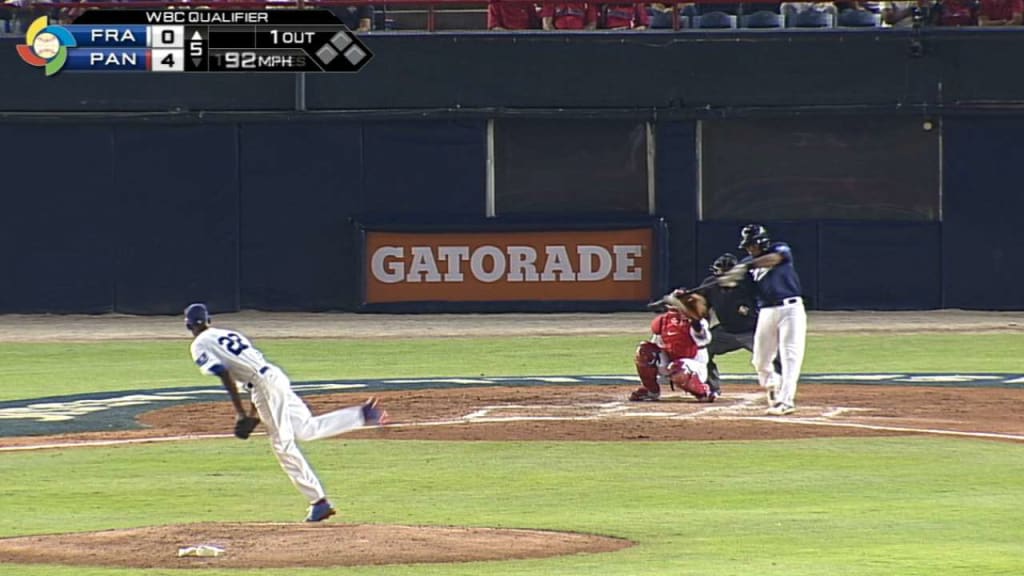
195, 41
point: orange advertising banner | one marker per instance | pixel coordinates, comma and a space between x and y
496, 266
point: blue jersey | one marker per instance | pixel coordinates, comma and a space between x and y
776, 284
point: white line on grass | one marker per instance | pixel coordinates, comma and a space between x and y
123, 441
938, 431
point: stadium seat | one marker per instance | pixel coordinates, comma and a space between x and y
762, 19
859, 19
663, 20
715, 20
811, 19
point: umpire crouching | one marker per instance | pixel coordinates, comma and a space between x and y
736, 309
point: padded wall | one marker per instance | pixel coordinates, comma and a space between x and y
177, 217
879, 266
428, 169
299, 181
982, 204
58, 217
676, 197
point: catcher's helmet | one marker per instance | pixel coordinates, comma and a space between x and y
754, 234
196, 314
723, 264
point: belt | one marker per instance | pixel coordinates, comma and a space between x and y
783, 302
264, 369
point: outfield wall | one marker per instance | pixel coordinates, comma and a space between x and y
900, 196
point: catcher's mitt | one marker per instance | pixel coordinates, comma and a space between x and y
693, 305
244, 426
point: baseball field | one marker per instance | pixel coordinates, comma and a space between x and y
514, 451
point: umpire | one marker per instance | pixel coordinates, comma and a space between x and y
736, 309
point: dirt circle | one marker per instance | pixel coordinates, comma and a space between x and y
288, 545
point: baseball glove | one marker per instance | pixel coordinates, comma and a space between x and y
244, 426
693, 305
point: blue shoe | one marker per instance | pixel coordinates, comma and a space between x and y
373, 414
321, 510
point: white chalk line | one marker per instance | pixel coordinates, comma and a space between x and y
879, 428
118, 442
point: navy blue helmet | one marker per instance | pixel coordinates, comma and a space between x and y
196, 314
754, 235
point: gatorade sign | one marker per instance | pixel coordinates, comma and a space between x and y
589, 265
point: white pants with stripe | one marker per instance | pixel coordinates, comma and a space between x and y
783, 330
288, 419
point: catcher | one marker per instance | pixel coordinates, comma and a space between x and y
232, 357
676, 353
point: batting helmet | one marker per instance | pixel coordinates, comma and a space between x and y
723, 264
196, 314
754, 234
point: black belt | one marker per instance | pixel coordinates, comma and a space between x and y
782, 302
264, 369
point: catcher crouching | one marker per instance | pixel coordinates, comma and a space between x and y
675, 354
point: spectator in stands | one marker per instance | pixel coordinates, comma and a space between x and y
791, 9
1000, 12
357, 18
512, 16
568, 16
899, 14
623, 17
954, 13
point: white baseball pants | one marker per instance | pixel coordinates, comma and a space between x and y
783, 330
287, 419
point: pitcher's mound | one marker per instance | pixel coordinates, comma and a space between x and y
288, 545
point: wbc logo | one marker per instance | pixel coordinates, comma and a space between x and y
46, 46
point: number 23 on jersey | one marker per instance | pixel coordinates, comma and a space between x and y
233, 343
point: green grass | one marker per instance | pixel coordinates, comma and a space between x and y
847, 507
37, 370
811, 507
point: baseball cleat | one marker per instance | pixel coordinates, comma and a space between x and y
373, 414
644, 395
321, 510
769, 393
711, 397
780, 409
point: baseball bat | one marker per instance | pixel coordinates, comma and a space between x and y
729, 278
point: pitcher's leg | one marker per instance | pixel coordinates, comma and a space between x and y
275, 414
332, 423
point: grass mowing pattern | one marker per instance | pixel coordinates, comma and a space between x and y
39, 370
850, 506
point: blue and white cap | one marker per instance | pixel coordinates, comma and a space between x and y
196, 313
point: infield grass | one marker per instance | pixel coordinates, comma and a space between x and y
848, 507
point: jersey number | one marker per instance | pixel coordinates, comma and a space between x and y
233, 342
